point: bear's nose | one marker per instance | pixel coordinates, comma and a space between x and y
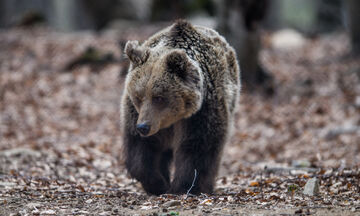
143, 128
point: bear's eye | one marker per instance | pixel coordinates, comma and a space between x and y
137, 100
159, 100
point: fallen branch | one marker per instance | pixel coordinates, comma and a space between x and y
192, 184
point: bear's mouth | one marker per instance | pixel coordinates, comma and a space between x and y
147, 135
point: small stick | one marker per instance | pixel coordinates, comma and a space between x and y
261, 184
193, 183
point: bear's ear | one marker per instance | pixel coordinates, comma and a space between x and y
177, 63
136, 54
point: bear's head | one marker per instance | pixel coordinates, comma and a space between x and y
164, 85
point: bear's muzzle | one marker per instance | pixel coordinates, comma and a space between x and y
143, 129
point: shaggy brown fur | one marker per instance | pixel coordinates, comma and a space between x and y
181, 92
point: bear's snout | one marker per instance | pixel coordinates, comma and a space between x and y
143, 129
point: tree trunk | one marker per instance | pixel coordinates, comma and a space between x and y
353, 19
238, 22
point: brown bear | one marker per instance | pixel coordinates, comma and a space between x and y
179, 99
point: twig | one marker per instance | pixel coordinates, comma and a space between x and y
192, 184
261, 183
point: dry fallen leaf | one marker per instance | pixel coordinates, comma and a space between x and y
254, 184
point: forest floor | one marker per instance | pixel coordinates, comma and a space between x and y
60, 139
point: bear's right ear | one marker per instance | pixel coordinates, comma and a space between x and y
136, 54
177, 63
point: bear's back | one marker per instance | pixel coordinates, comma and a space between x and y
186, 36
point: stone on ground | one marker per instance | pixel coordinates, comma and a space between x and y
311, 187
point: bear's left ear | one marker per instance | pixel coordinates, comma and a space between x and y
136, 54
177, 63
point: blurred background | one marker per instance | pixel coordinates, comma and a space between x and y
62, 74
62, 70
240, 21
292, 55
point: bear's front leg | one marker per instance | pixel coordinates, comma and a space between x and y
200, 151
143, 155
188, 160
143, 164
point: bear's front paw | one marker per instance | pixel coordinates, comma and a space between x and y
156, 186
